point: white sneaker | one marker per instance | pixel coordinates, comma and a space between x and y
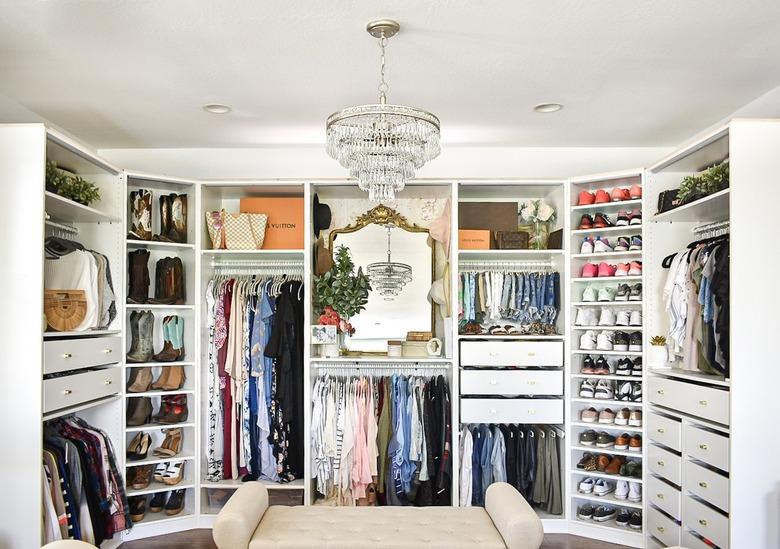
635, 319
604, 341
604, 390
622, 489
603, 487
586, 485
622, 318
607, 293
634, 492
601, 246
607, 317
587, 388
587, 246
588, 340
589, 294
586, 317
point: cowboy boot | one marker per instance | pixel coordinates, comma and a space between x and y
139, 411
174, 349
134, 331
144, 228
162, 290
144, 350
178, 229
165, 218
167, 347
138, 273
179, 297
133, 202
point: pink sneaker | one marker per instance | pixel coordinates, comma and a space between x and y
605, 269
618, 194
635, 191
586, 198
635, 269
590, 270
622, 269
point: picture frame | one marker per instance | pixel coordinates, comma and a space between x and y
323, 335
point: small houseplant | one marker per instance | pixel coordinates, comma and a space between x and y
658, 355
537, 216
69, 185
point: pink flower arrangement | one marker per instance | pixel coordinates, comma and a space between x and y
329, 317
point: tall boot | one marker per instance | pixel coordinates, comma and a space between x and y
167, 346
138, 273
179, 289
141, 381
165, 218
145, 349
163, 291
173, 349
140, 215
133, 331
178, 231
139, 411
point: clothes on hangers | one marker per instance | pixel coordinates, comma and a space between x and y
382, 440
83, 492
531, 300
528, 457
696, 298
255, 378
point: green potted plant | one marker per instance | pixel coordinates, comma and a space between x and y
70, 186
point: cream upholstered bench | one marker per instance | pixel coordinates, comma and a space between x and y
506, 522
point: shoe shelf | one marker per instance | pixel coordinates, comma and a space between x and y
595, 255
161, 393
610, 451
80, 333
606, 353
627, 229
512, 337
157, 364
607, 279
621, 403
714, 207
608, 499
156, 518
157, 426
712, 379
604, 206
595, 304
156, 460
608, 377
158, 307
155, 487
65, 210
610, 328
232, 484
607, 476
158, 245
610, 525
606, 427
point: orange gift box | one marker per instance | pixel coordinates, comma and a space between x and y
284, 230
473, 239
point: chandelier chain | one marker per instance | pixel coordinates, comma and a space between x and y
383, 85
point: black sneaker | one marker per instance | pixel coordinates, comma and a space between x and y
636, 391
623, 518
635, 341
588, 366
588, 438
624, 367
635, 521
636, 368
585, 512
604, 513
620, 341
602, 366
605, 440
636, 292
623, 291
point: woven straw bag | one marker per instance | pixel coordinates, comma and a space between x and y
65, 310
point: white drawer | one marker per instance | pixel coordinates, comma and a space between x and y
697, 400
653, 543
706, 521
692, 541
511, 410
74, 353
662, 527
511, 382
664, 464
706, 446
664, 430
61, 392
664, 496
710, 486
511, 353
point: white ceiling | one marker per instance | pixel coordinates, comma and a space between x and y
135, 73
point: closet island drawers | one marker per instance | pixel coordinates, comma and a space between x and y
664, 464
706, 521
61, 392
707, 446
511, 410
662, 527
511, 382
697, 400
665, 430
71, 354
664, 496
511, 353
710, 486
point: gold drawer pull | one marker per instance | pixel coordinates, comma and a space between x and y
703, 402
67, 391
67, 355
531, 412
660, 391
108, 382
108, 351
703, 484
531, 382
660, 496
531, 354
661, 430
703, 446
661, 463
703, 522
661, 529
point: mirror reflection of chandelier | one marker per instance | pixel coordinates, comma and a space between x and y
381, 144
387, 277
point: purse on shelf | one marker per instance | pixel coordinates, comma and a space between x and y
244, 231
668, 200
65, 310
216, 229
511, 240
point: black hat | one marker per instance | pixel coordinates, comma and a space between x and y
321, 220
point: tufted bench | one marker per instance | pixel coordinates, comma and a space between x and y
506, 522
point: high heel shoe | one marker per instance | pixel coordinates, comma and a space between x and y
174, 474
175, 502
137, 508
143, 477
139, 411
139, 447
158, 502
171, 446
140, 380
159, 471
175, 409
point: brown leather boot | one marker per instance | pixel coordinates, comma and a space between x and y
141, 381
138, 273
178, 231
165, 218
175, 378
177, 410
167, 350
140, 215
139, 411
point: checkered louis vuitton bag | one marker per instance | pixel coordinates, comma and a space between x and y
244, 231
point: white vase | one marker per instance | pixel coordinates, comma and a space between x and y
658, 357
330, 350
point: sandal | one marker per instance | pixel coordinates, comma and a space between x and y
511, 330
496, 330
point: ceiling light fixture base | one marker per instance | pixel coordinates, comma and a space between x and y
386, 27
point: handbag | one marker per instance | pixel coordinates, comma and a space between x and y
511, 240
244, 231
65, 310
667, 200
216, 229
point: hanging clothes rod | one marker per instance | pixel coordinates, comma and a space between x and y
715, 226
522, 265
61, 226
257, 263
346, 365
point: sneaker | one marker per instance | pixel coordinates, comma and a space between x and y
587, 245
621, 269
586, 222
624, 367
601, 221
588, 438
620, 341
602, 197
589, 270
635, 418
621, 442
589, 293
635, 318
623, 291
624, 391
607, 293
636, 367
604, 390
634, 492
606, 417
636, 292
619, 195
635, 269
604, 440
635, 217
603, 487
622, 318
635, 444
635, 341
590, 415
623, 243
588, 366
586, 485
585, 512
602, 366
636, 391
605, 269
604, 341
622, 417
601, 246
587, 388
624, 516
588, 340
635, 521
607, 318
603, 513
621, 490
622, 219
585, 198
636, 244
635, 191
586, 317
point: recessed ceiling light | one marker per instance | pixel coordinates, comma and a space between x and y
548, 107
216, 108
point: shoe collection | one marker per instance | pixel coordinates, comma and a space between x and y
608, 317
173, 504
625, 416
602, 245
605, 389
625, 218
169, 279
604, 269
605, 294
609, 340
173, 409
173, 217
141, 443
601, 196
610, 465
604, 513
606, 440
142, 338
622, 489
602, 367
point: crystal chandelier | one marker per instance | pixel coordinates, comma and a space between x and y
389, 278
382, 145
